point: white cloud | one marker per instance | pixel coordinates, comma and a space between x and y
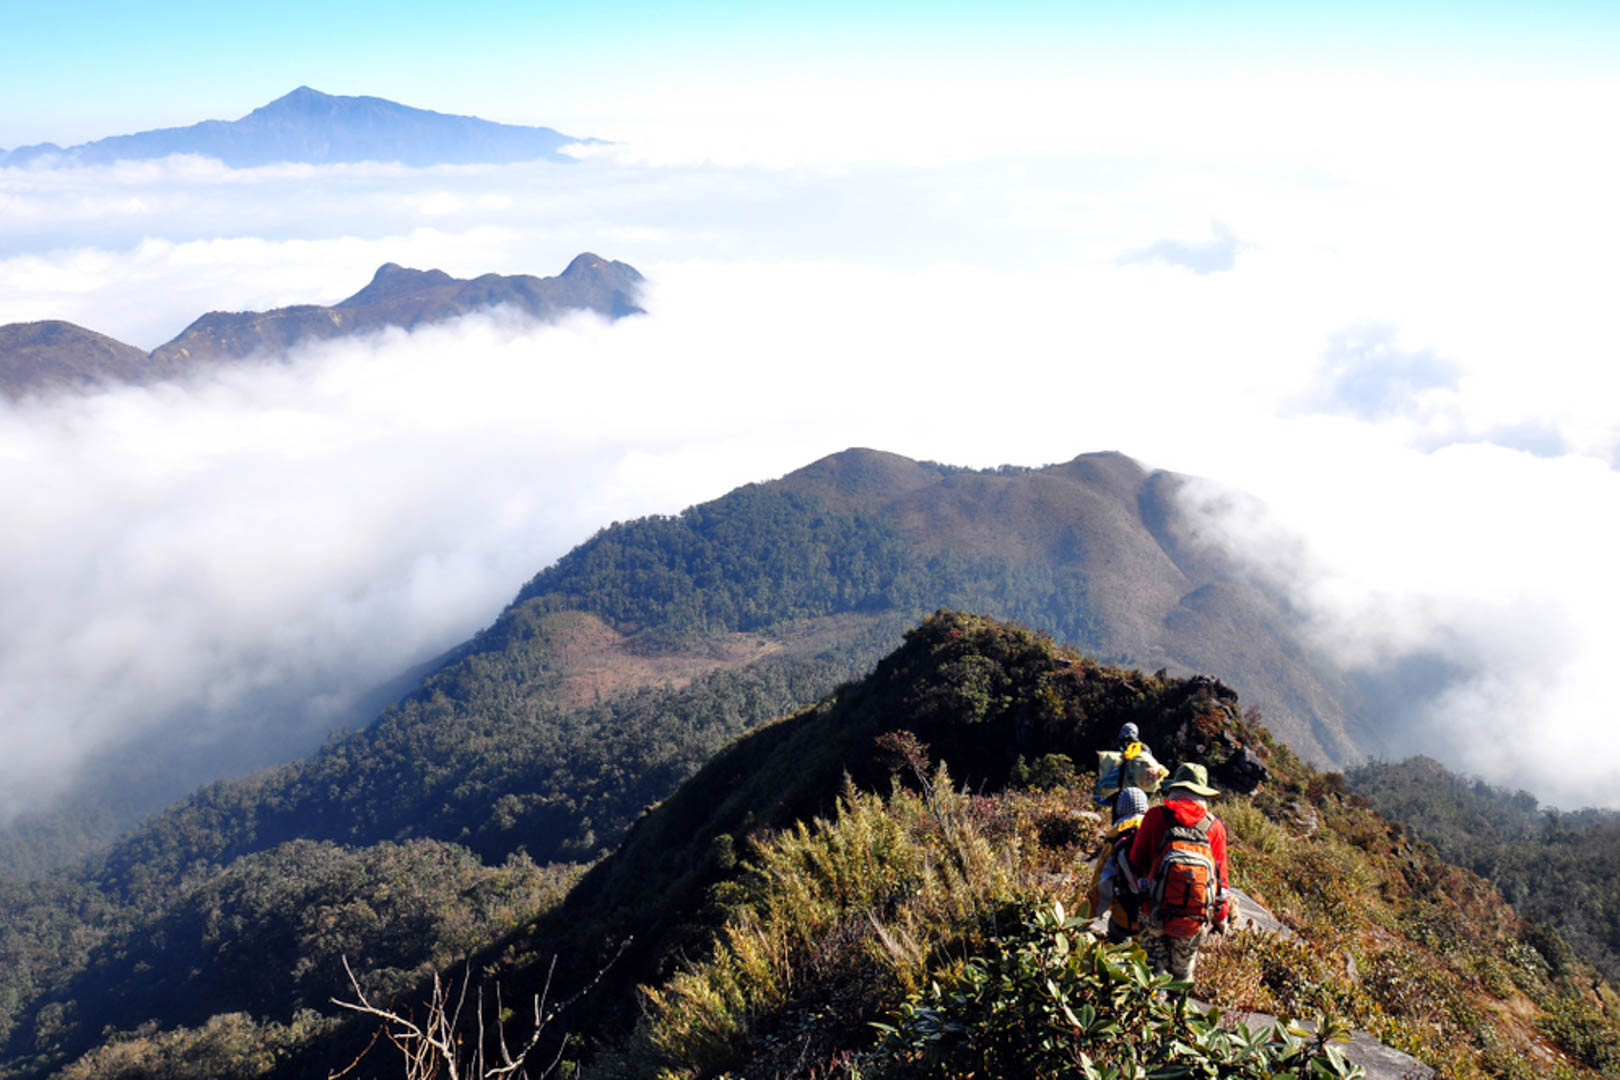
1487, 559
308, 523
1213, 256
279, 538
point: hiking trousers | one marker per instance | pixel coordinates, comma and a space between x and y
1174, 955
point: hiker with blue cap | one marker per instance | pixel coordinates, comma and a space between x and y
1132, 765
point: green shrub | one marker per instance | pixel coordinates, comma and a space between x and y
1526, 967
1550, 945
1047, 1001
1585, 1033
1049, 771
1247, 824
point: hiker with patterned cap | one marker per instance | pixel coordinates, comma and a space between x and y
1113, 887
1180, 855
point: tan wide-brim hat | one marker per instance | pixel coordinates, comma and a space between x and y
1195, 778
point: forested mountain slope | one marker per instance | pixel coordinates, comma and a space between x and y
618, 670
1558, 868
1096, 551
616, 675
1163, 593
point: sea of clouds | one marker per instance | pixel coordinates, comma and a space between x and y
1404, 352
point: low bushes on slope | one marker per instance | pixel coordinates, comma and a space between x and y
929, 907
1047, 1001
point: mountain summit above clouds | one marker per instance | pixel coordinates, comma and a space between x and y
41, 357
398, 296
309, 127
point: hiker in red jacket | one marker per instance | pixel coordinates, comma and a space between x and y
1180, 856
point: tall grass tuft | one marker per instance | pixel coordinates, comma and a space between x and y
880, 889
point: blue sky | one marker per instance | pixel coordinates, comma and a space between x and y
81, 69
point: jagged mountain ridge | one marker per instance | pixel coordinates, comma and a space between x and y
309, 127
39, 357
402, 297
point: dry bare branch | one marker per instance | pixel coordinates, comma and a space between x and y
433, 1047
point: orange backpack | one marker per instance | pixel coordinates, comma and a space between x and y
1186, 885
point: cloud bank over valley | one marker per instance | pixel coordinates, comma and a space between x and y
1411, 369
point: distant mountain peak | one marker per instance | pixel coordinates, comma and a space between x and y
311, 127
585, 261
302, 100
44, 355
593, 267
392, 280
